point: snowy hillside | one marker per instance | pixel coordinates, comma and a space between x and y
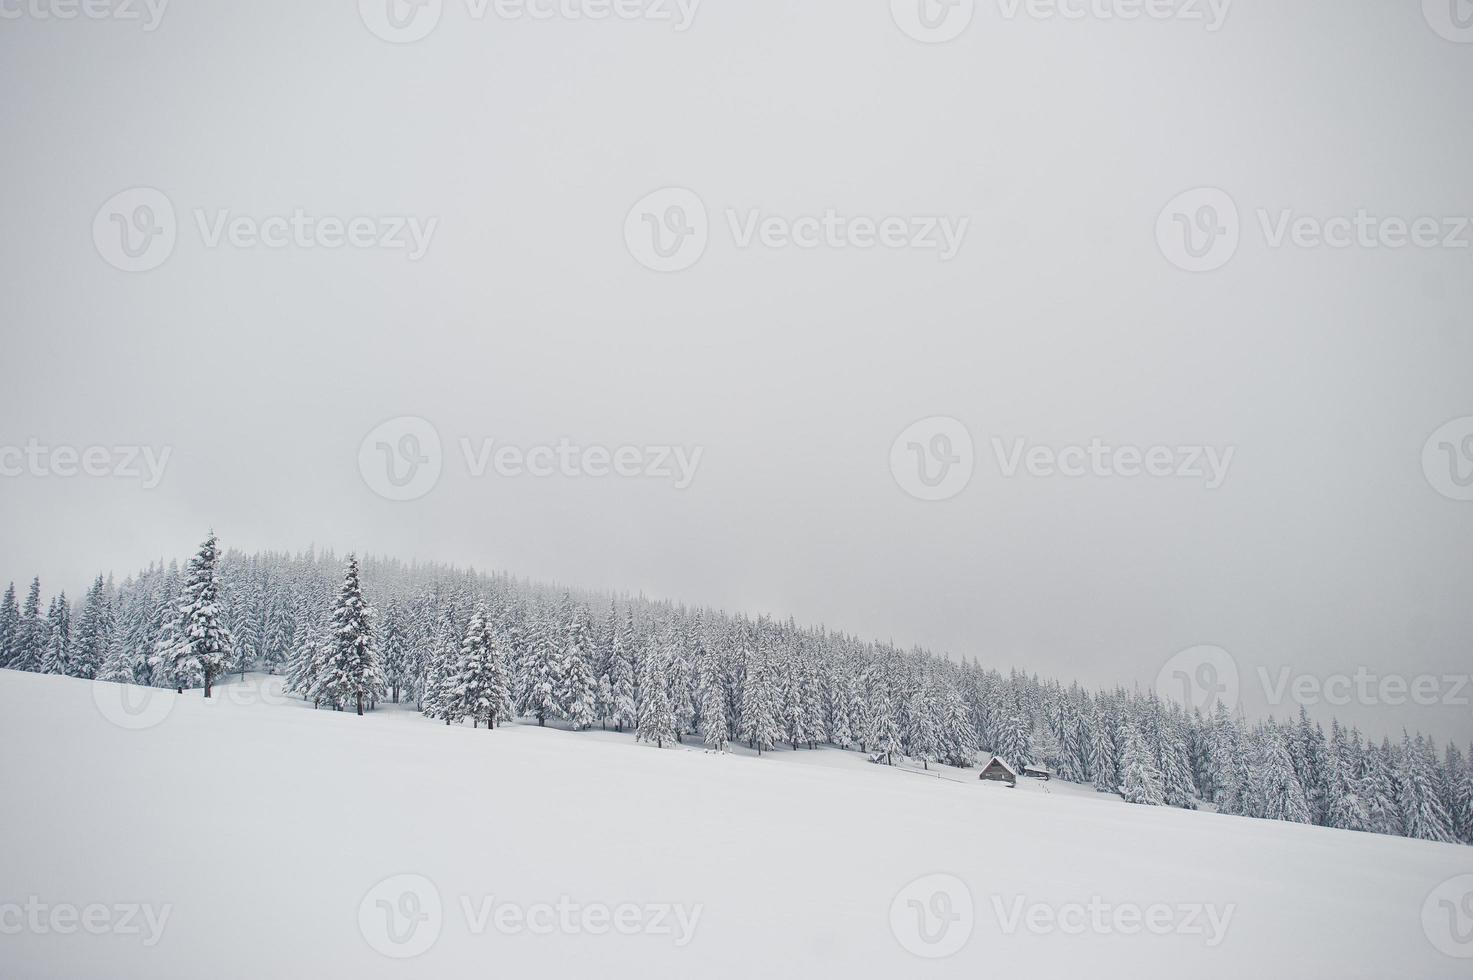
250, 836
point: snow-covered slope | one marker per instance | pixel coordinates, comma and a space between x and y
285, 842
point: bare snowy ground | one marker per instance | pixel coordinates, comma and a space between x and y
249, 836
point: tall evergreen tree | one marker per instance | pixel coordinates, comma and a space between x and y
350, 674
9, 628
1423, 815
656, 716
200, 644
58, 658
31, 637
94, 631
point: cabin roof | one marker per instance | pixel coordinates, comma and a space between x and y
1000, 761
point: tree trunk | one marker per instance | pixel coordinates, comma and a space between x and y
360, 704
207, 683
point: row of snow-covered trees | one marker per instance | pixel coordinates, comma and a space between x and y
463, 645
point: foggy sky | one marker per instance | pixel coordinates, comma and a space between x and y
1059, 321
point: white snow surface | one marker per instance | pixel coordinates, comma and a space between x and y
266, 828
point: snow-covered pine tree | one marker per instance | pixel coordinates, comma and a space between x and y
621, 675
57, 658
395, 651
1344, 808
1423, 815
578, 692
94, 631
9, 628
441, 683
656, 715
713, 703
350, 673
1459, 776
476, 689
1307, 749
1103, 765
1140, 779
300, 671
1277, 792
1378, 787
958, 737
200, 644
760, 724
542, 673
277, 643
30, 643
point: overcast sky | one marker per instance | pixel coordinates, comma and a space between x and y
1061, 310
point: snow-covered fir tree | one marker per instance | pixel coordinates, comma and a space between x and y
349, 673
199, 645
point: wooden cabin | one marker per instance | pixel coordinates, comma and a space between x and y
998, 771
1037, 772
